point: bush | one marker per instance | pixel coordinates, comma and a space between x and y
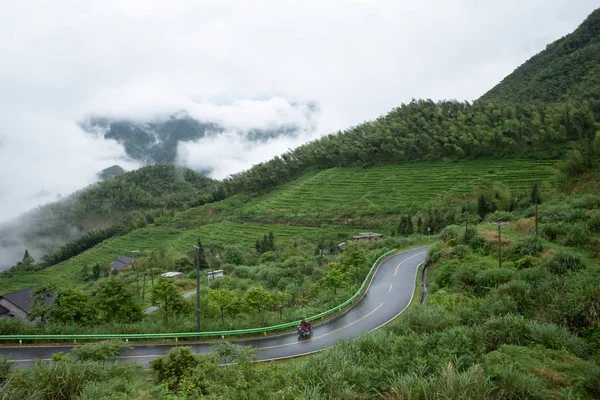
506, 329
529, 247
563, 262
594, 223
551, 231
476, 242
171, 368
448, 384
267, 257
575, 235
5, 367
526, 262
426, 319
99, 351
556, 337
450, 232
493, 277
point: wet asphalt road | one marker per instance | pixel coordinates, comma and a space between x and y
390, 292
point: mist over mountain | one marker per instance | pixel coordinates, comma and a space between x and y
156, 140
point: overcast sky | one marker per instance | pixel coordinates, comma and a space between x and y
241, 62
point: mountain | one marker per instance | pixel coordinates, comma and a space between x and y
155, 141
569, 68
128, 201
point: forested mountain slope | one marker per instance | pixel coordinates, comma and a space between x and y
448, 130
567, 69
121, 200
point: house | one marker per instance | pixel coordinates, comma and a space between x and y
18, 304
215, 274
367, 236
174, 275
121, 263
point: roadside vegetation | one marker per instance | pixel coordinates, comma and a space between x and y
509, 316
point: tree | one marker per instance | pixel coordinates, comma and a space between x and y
353, 262
226, 300
115, 301
42, 303
535, 193
27, 259
482, 207
71, 306
257, 299
279, 300
171, 368
165, 294
334, 279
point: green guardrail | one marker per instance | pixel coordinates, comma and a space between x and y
182, 335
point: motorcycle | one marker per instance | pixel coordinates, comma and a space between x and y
305, 331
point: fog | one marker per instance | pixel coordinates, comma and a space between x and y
243, 65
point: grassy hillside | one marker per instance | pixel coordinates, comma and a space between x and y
323, 201
567, 69
393, 188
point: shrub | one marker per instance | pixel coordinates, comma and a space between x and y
448, 384
551, 231
556, 337
5, 367
476, 242
426, 319
575, 235
109, 349
594, 223
171, 368
526, 262
267, 257
506, 329
64, 380
520, 291
563, 262
490, 278
529, 247
581, 304
465, 276
450, 232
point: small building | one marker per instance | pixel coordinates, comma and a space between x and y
173, 275
215, 274
368, 236
121, 263
18, 304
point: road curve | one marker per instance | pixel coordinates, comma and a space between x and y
390, 292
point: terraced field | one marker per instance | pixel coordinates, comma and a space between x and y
174, 240
394, 187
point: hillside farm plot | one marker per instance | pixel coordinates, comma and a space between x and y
175, 240
392, 188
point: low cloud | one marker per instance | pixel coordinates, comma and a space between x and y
240, 64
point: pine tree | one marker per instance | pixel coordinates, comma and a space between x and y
482, 207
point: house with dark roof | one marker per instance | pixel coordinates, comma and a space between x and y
368, 236
121, 263
18, 304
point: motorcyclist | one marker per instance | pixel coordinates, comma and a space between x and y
305, 325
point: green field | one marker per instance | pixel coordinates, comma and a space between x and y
394, 187
156, 237
333, 193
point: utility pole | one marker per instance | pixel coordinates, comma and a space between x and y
197, 288
499, 223
137, 274
537, 235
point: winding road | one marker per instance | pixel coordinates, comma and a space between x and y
390, 292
